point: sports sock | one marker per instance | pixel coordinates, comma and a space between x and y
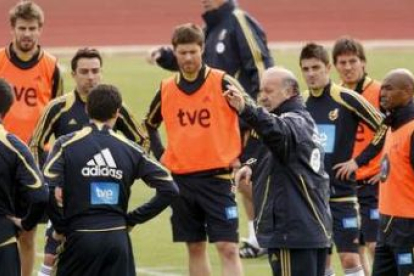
45, 270
356, 271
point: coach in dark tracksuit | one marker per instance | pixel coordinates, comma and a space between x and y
292, 211
92, 171
20, 179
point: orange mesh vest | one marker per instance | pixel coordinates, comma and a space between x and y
202, 130
396, 197
32, 89
364, 134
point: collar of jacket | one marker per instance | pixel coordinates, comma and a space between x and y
400, 116
97, 126
321, 91
213, 17
293, 104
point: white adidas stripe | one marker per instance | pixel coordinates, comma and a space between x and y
104, 158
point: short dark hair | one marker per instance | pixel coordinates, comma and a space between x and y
313, 50
187, 34
103, 102
26, 10
6, 97
85, 53
348, 45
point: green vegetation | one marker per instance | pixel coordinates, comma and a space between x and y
155, 254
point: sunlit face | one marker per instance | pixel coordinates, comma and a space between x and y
87, 75
315, 73
26, 34
189, 57
272, 93
350, 68
392, 95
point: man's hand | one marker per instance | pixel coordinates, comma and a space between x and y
345, 169
235, 98
243, 176
58, 237
59, 196
16, 221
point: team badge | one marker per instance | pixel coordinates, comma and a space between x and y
333, 115
220, 48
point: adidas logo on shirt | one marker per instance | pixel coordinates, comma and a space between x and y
102, 164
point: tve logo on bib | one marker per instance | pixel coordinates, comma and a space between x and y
104, 193
327, 137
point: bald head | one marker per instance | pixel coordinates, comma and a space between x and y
278, 85
402, 77
397, 89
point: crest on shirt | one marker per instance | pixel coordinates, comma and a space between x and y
333, 114
220, 47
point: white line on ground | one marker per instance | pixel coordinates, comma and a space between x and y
287, 45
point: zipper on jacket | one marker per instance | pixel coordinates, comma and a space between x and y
266, 195
387, 227
315, 213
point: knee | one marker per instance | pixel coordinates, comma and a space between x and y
228, 250
49, 259
349, 260
371, 248
197, 248
27, 240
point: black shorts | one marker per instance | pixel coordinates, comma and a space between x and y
298, 262
9, 260
368, 211
51, 244
346, 226
205, 208
395, 261
106, 253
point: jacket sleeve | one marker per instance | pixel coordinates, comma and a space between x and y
254, 54
374, 148
167, 59
152, 122
361, 108
274, 130
53, 172
127, 124
43, 131
30, 183
156, 177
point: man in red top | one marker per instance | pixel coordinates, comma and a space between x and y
394, 252
35, 78
203, 141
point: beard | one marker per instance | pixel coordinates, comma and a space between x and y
26, 45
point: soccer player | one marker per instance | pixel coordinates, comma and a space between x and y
91, 172
36, 80
236, 44
338, 112
350, 63
19, 177
67, 114
203, 142
292, 208
394, 252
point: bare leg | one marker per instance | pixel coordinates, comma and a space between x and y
199, 263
